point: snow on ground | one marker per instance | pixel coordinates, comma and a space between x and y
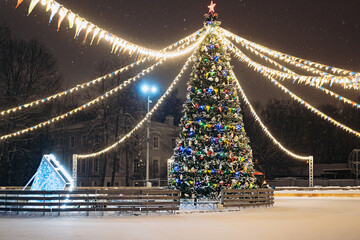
290, 218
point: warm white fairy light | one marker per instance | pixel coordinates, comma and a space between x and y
313, 109
264, 128
84, 106
78, 87
117, 43
144, 120
327, 91
314, 80
291, 59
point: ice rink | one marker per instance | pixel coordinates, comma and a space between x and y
290, 218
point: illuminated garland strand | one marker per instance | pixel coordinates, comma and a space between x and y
119, 45
308, 106
106, 95
148, 115
291, 59
264, 128
71, 90
86, 105
318, 81
327, 91
81, 86
313, 109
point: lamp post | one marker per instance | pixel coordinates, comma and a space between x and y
147, 90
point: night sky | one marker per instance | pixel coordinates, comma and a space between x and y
327, 31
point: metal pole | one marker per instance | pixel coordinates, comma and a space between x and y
311, 171
74, 170
148, 144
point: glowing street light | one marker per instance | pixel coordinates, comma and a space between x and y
145, 88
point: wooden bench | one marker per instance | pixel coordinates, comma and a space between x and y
247, 197
116, 200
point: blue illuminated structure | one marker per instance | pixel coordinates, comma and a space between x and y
51, 175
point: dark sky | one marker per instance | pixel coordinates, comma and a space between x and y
321, 30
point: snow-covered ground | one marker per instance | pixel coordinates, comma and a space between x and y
290, 218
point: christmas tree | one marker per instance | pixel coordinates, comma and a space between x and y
213, 151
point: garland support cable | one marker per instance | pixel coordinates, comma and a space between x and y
264, 128
86, 105
288, 58
148, 115
318, 81
118, 44
327, 91
86, 84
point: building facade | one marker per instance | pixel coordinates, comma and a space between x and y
124, 166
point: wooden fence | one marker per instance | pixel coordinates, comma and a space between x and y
101, 200
247, 197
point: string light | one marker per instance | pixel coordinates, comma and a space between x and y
327, 91
84, 106
118, 44
89, 83
318, 81
307, 105
264, 128
144, 120
313, 109
291, 59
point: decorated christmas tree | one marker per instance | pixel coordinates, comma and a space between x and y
213, 151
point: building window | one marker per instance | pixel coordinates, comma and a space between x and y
94, 183
173, 142
83, 140
82, 165
156, 167
108, 184
72, 141
156, 142
136, 165
96, 165
116, 184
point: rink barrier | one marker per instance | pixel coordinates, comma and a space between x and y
128, 200
231, 198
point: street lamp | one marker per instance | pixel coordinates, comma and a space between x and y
147, 89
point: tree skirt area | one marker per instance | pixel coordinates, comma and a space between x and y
289, 218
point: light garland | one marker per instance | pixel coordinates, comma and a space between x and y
313, 109
318, 81
308, 106
86, 84
327, 91
84, 106
71, 90
264, 128
148, 115
298, 62
106, 95
118, 44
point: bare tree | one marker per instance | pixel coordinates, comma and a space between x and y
28, 71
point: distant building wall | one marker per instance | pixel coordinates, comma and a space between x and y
79, 139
